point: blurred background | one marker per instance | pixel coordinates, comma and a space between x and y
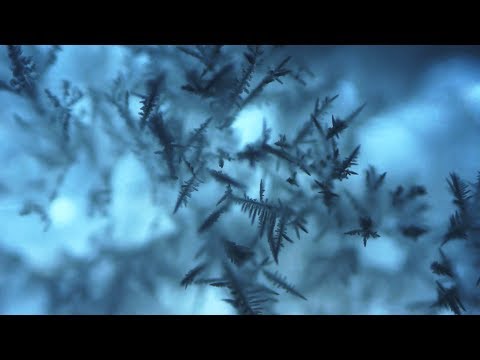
87, 223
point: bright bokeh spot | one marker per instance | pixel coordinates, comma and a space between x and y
384, 254
397, 143
472, 98
249, 122
62, 212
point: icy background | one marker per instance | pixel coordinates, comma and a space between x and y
422, 121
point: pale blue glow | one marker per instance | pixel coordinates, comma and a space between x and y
420, 123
